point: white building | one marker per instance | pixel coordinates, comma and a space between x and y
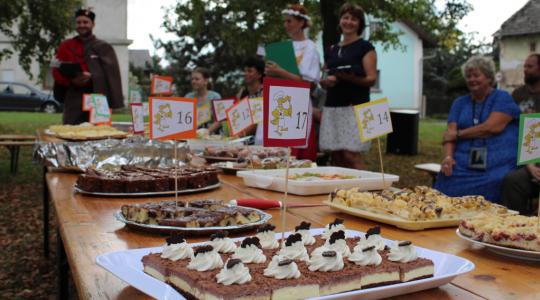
111, 26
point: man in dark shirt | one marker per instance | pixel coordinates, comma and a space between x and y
521, 185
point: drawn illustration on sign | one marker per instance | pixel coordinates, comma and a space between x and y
164, 112
368, 116
282, 111
531, 137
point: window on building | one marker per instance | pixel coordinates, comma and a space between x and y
532, 46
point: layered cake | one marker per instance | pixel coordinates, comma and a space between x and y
515, 231
134, 179
198, 213
419, 203
296, 270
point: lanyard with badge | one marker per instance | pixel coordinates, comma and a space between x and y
478, 155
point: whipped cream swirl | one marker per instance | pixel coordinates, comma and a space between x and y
249, 254
331, 228
338, 246
366, 257
205, 261
307, 237
268, 239
326, 261
294, 251
233, 272
282, 268
377, 241
223, 245
402, 252
178, 251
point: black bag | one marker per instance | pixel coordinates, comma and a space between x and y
59, 92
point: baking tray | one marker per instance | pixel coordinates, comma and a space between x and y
265, 217
127, 266
270, 180
521, 254
395, 220
148, 194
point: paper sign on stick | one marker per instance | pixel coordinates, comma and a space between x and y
87, 102
172, 118
161, 85
220, 107
137, 116
529, 139
239, 117
100, 113
373, 119
256, 105
203, 114
285, 112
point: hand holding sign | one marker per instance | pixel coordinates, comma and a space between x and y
172, 118
373, 119
239, 117
286, 112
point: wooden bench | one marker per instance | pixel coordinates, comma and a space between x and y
431, 168
14, 143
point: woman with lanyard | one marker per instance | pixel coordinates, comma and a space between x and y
200, 80
480, 144
308, 61
352, 70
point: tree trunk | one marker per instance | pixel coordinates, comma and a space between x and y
330, 20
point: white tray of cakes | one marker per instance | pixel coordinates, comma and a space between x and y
324, 263
318, 180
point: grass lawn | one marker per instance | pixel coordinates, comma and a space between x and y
24, 274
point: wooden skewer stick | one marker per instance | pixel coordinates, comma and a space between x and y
284, 203
381, 161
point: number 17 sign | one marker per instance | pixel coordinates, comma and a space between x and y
286, 112
373, 119
172, 118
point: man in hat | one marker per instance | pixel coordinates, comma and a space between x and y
98, 73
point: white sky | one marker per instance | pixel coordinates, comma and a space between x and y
145, 17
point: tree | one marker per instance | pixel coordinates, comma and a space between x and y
220, 34
35, 27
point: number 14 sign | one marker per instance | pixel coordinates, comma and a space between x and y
373, 119
286, 112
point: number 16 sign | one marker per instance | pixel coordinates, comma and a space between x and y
286, 112
373, 119
172, 118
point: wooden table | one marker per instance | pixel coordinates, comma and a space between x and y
87, 228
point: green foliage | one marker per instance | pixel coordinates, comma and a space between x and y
220, 34
36, 27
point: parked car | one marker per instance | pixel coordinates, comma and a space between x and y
19, 96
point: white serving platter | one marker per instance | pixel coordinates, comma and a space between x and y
127, 266
505, 251
275, 180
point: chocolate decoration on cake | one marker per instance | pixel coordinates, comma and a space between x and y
333, 195
338, 235
405, 243
285, 262
219, 235
303, 226
175, 239
373, 230
266, 227
329, 254
368, 248
251, 241
203, 249
438, 211
293, 238
336, 222
233, 262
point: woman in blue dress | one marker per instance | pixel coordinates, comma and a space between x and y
480, 144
